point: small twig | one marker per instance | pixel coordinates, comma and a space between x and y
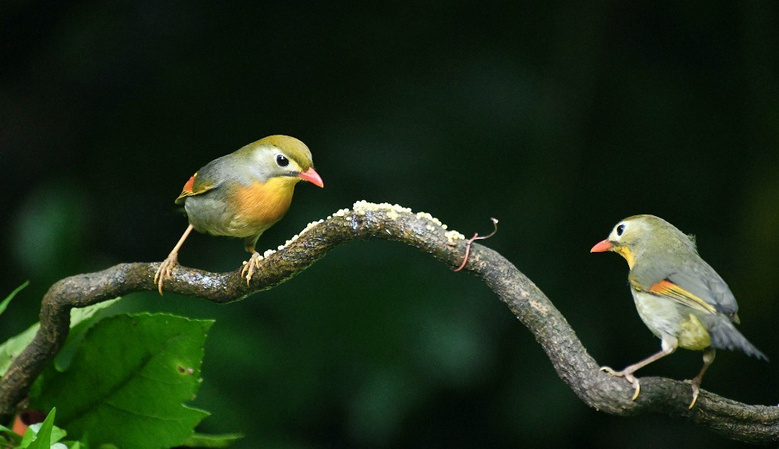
476, 237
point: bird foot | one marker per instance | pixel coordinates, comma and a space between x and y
165, 271
250, 266
628, 375
696, 383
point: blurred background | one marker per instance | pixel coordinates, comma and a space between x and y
557, 118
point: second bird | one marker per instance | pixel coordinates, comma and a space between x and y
679, 297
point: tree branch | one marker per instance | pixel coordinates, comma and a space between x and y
749, 423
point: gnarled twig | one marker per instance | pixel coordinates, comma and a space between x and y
750, 423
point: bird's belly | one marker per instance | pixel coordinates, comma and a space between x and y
663, 316
215, 218
660, 315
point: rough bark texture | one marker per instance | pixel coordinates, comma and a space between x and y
749, 423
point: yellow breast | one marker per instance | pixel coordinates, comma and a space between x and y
260, 205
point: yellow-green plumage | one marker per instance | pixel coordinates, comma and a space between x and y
679, 297
242, 194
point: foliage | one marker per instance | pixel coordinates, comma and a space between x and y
120, 381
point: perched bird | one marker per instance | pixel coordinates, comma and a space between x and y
679, 297
243, 194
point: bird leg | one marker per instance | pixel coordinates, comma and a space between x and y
708, 359
253, 264
627, 373
250, 266
165, 271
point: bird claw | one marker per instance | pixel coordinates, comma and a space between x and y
609, 370
250, 266
695, 391
165, 271
628, 377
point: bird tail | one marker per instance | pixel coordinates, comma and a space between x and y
725, 336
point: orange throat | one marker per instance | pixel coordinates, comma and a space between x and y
260, 205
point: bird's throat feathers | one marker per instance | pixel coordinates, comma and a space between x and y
261, 204
626, 254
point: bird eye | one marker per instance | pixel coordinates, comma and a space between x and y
620, 229
281, 160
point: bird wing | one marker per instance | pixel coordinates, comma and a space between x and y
692, 282
669, 289
703, 282
195, 186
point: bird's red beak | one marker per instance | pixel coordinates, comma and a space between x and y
601, 246
312, 176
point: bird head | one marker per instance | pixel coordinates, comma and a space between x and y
639, 234
280, 156
629, 237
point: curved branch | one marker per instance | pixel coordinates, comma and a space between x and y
749, 423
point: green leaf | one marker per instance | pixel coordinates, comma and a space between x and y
42, 437
8, 298
128, 381
10, 438
14, 345
80, 320
211, 441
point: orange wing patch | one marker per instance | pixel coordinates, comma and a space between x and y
669, 289
189, 185
191, 189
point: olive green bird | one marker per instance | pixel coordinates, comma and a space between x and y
679, 297
243, 194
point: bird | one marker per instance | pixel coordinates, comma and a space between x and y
679, 296
242, 194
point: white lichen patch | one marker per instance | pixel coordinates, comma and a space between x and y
293, 239
309, 226
427, 216
394, 211
452, 236
340, 213
360, 207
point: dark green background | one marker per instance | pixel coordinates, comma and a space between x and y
558, 118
